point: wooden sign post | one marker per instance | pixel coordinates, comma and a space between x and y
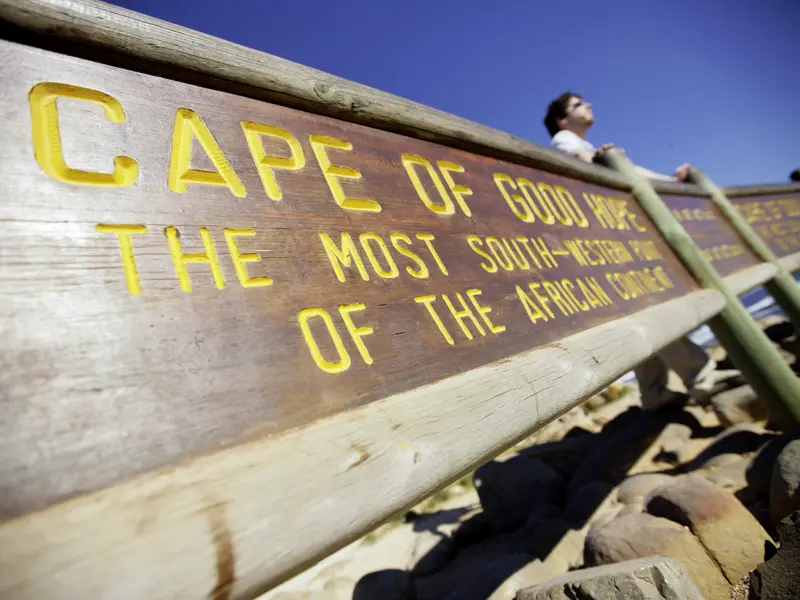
768, 218
259, 309
749, 348
250, 310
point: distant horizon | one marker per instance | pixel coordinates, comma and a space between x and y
714, 84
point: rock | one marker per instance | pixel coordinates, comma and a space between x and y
431, 552
784, 495
566, 455
779, 577
475, 529
728, 471
509, 491
674, 444
583, 503
637, 487
389, 584
739, 405
500, 579
620, 448
739, 439
642, 535
656, 578
733, 537
538, 537
759, 471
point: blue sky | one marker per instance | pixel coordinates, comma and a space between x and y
712, 82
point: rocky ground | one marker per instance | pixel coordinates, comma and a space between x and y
712, 486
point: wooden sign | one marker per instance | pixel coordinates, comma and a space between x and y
184, 269
775, 217
714, 235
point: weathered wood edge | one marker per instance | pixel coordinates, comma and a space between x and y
760, 190
246, 518
748, 278
678, 189
133, 40
791, 262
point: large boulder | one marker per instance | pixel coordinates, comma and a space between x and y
759, 471
779, 577
641, 535
739, 405
636, 487
430, 552
784, 492
655, 578
733, 537
509, 491
501, 578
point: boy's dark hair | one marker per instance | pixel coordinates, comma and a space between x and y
795, 175
556, 111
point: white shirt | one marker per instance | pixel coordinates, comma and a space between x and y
569, 142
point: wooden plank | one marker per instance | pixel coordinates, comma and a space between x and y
721, 244
233, 524
746, 279
775, 217
791, 262
733, 191
123, 359
673, 188
111, 34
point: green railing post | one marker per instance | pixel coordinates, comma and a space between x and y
750, 349
783, 286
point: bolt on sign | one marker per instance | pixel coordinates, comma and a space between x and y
775, 217
720, 243
184, 268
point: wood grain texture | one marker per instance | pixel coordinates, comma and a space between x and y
722, 245
158, 535
775, 217
732, 191
791, 262
675, 188
100, 384
750, 277
110, 30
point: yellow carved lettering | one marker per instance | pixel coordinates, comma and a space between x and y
332, 173
124, 233
533, 310
474, 241
428, 239
266, 164
484, 311
447, 207
46, 136
343, 362
515, 202
188, 126
344, 256
461, 315
428, 302
240, 260
458, 190
181, 259
356, 332
422, 270
366, 240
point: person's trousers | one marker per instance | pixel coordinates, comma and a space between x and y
684, 357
